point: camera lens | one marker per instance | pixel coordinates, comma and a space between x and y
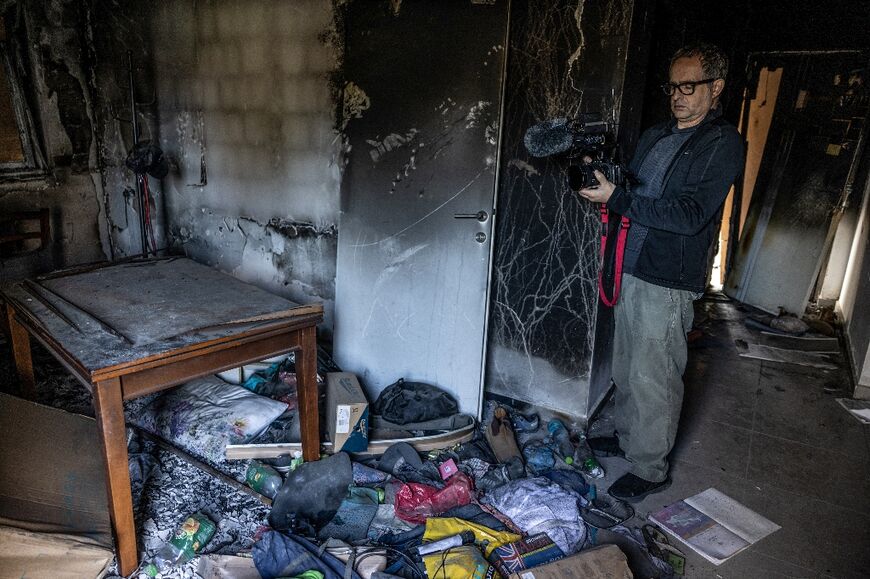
581, 177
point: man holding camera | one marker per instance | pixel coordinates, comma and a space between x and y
684, 169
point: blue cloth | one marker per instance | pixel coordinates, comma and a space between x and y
351, 522
279, 555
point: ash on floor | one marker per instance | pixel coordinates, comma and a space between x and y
165, 488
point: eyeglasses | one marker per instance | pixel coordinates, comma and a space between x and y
685, 88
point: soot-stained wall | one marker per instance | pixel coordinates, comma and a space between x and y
565, 58
47, 44
116, 30
246, 117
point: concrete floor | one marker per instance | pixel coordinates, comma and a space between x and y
773, 437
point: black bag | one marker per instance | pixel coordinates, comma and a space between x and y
404, 402
146, 157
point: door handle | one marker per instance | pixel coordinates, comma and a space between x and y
480, 216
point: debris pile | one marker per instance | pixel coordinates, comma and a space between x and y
515, 492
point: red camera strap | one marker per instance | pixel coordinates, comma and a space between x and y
620, 253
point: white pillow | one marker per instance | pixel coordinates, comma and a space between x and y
205, 415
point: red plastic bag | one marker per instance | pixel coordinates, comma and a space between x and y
416, 502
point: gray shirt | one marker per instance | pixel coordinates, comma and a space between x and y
651, 176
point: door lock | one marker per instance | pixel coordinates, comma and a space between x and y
480, 216
480, 237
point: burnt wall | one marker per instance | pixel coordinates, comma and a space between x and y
119, 34
245, 114
47, 43
742, 27
565, 58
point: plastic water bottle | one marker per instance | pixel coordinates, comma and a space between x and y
264, 479
585, 459
561, 440
191, 536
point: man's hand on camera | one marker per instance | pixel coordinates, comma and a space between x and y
601, 193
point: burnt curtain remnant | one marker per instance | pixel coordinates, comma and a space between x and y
564, 58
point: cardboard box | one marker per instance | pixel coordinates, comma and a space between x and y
52, 474
347, 413
604, 562
54, 516
531, 552
28, 554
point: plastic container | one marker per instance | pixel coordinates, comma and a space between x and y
585, 460
561, 440
264, 479
189, 538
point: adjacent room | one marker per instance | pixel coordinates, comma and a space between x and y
412, 288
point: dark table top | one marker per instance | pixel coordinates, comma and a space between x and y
110, 315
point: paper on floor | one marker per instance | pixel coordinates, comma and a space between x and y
714, 525
860, 409
761, 352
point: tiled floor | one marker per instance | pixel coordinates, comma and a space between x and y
770, 436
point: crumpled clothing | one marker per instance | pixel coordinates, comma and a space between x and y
476, 466
354, 517
279, 555
485, 538
537, 505
385, 522
416, 502
403, 402
366, 475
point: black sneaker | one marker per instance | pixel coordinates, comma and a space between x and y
606, 446
631, 488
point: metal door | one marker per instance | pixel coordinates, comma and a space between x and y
804, 179
422, 100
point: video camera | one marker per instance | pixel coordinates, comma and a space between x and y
587, 135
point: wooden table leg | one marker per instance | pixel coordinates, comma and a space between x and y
21, 352
306, 377
110, 422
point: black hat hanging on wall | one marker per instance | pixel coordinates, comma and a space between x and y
146, 157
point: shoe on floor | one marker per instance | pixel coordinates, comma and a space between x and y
631, 488
606, 446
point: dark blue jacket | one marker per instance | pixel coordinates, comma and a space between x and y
684, 222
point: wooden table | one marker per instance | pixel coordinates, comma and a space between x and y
133, 328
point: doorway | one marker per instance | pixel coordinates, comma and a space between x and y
796, 189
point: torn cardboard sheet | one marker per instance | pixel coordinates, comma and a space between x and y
713, 525
54, 517
30, 554
69, 496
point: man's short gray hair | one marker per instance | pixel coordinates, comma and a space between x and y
714, 63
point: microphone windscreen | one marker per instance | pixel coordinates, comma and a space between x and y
548, 138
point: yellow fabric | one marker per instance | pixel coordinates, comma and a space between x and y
484, 537
465, 562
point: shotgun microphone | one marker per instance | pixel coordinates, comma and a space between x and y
549, 138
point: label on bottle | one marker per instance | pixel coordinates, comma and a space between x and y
195, 532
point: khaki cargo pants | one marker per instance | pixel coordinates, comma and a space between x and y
649, 357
